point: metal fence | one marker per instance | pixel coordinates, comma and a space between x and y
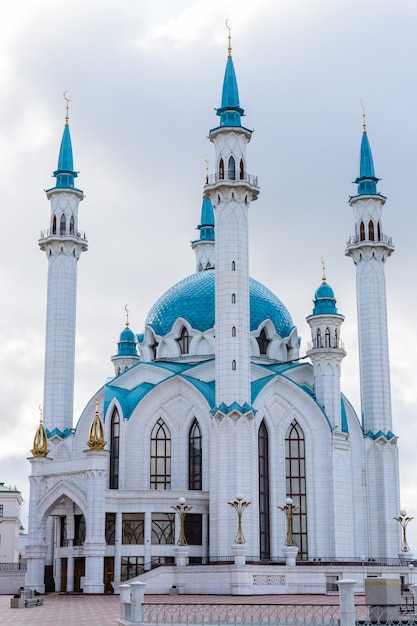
277, 614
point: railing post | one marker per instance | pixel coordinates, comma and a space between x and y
136, 600
347, 602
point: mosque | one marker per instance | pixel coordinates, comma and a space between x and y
215, 404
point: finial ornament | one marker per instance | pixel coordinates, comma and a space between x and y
127, 316
96, 438
40, 442
67, 100
363, 117
403, 519
206, 161
323, 270
239, 505
229, 37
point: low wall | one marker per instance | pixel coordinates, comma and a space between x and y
11, 581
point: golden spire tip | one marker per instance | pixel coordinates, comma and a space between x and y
67, 100
229, 37
323, 269
127, 316
363, 117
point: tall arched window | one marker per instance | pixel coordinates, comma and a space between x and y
263, 470
241, 170
233, 331
160, 456
233, 364
233, 266
362, 231
221, 169
379, 231
231, 169
371, 231
114, 449
263, 342
62, 225
318, 336
184, 341
336, 339
54, 225
233, 298
71, 225
295, 472
195, 458
327, 338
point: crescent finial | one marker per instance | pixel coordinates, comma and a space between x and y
127, 316
323, 277
229, 47
67, 100
41, 413
363, 116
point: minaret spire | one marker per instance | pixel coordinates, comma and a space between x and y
63, 243
369, 249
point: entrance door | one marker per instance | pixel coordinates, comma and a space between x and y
108, 574
79, 571
64, 565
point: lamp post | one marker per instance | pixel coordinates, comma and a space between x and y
363, 558
182, 509
403, 520
239, 505
411, 567
289, 509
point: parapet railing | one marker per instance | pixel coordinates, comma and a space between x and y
248, 178
358, 239
79, 234
13, 567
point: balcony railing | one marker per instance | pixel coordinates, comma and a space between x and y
357, 239
324, 345
61, 232
247, 178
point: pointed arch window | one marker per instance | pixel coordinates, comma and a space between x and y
233, 364
233, 298
208, 265
336, 339
200, 267
263, 342
231, 169
371, 231
263, 477
295, 474
318, 338
379, 231
241, 170
233, 331
71, 228
195, 457
233, 266
184, 341
221, 169
153, 348
362, 231
62, 225
160, 477
114, 449
327, 338
54, 225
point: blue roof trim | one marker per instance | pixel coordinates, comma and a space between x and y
59, 433
208, 390
388, 436
128, 399
230, 408
345, 426
193, 300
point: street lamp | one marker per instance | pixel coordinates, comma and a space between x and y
411, 567
289, 509
182, 509
239, 505
403, 519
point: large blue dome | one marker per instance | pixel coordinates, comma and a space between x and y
193, 299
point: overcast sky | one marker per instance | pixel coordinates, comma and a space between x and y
144, 77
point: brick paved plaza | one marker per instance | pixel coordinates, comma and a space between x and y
103, 610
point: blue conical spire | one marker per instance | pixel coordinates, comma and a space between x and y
230, 111
367, 180
65, 173
206, 227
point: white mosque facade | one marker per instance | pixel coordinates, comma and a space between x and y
214, 400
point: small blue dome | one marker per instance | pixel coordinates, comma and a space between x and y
324, 301
193, 300
127, 343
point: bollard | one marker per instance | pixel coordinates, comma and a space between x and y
347, 602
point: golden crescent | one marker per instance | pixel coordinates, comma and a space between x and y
205, 158
227, 25
126, 309
65, 96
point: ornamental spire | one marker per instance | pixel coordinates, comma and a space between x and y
366, 180
65, 173
40, 442
230, 111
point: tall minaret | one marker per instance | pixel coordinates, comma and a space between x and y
63, 244
326, 351
233, 460
231, 190
369, 249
